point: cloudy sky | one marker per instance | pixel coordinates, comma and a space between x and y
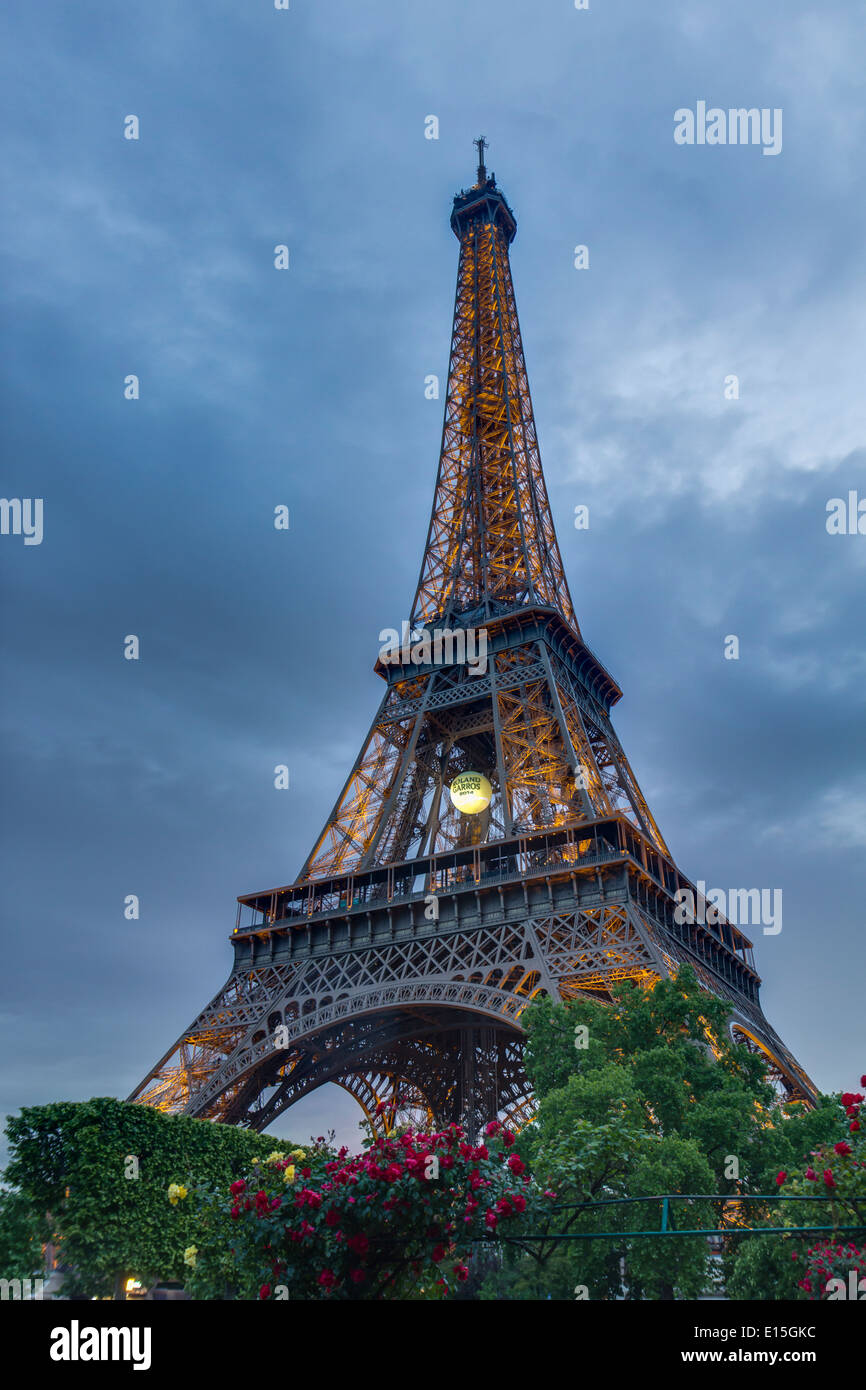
258, 387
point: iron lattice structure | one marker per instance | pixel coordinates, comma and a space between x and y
400, 960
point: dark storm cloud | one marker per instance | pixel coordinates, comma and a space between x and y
306, 388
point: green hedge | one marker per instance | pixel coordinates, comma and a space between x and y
70, 1160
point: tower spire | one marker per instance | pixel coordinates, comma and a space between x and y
481, 146
491, 544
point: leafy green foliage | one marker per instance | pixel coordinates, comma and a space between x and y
70, 1163
642, 1097
763, 1269
23, 1232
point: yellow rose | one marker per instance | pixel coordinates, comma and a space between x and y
276, 1157
289, 1173
176, 1193
189, 1256
298, 1154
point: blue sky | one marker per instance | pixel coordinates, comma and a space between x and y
306, 387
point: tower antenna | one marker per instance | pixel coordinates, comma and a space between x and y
481, 145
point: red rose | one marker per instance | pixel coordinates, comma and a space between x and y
507, 1138
438, 1254
516, 1164
462, 1273
491, 1220
863, 1080
357, 1276
333, 1217
854, 1126
842, 1148
236, 1187
518, 1202
265, 1291
781, 1177
359, 1243
828, 1177
235, 1213
811, 1175
493, 1129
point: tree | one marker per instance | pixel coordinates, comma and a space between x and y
643, 1096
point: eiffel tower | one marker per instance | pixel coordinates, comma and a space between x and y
397, 965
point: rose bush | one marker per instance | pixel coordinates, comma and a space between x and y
835, 1171
828, 1268
400, 1220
